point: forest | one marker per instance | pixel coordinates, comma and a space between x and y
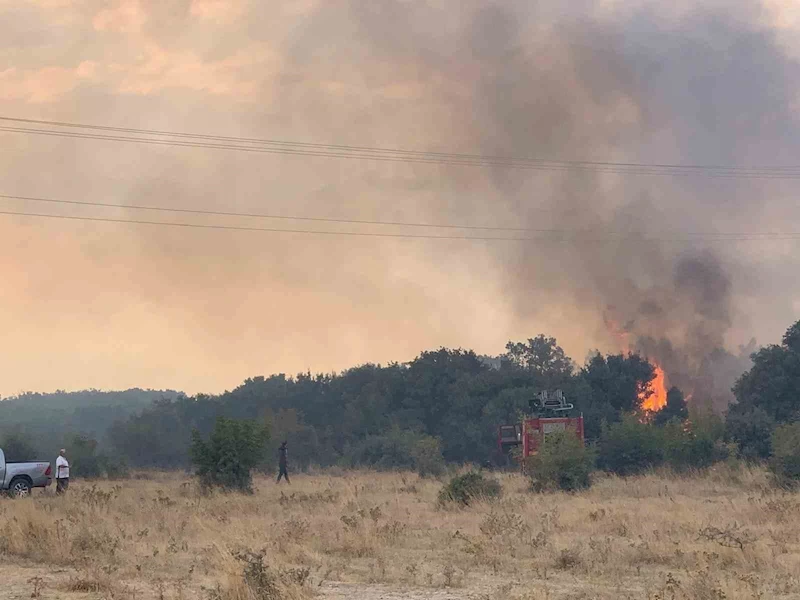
442, 407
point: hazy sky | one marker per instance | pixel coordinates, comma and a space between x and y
86, 304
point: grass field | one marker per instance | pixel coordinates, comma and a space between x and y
722, 534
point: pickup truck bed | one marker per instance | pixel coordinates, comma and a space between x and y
19, 478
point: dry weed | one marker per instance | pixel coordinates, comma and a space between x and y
724, 533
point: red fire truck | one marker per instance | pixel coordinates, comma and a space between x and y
532, 433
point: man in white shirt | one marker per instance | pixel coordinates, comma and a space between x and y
62, 472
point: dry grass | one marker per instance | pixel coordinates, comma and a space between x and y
724, 534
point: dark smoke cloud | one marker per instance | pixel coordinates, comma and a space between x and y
623, 81
712, 83
710, 87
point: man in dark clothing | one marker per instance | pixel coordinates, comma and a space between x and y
282, 472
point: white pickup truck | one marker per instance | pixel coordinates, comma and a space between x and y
19, 478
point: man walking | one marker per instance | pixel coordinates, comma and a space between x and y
62, 472
282, 472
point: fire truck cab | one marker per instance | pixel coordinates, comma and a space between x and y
509, 436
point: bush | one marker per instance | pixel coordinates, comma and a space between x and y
398, 449
785, 461
83, 458
463, 489
630, 447
427, 456
562, 463
692, 448
231, 453
115, 468
17, 447
675, 409
751, 430
595, 416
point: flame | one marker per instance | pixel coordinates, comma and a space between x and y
658, 399
658, 386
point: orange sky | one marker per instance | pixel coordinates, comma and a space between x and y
111, 306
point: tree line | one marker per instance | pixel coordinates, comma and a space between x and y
445, 406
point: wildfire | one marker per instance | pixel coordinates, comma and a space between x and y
658, 399
658, 386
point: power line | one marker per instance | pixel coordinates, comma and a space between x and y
465, 156
194, 140
709, 234
265, 141
273, 216
265, 229
728, 173
317, 153
561, 238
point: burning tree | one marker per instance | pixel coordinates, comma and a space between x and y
674, 409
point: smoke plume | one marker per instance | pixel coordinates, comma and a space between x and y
618, 259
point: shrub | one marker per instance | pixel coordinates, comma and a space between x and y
785, 461
231, 453
115, 468
427, 455
398, 449
595, 416
692, 448
630, 447
751, 430
562, 463
83, 458
17, 447
675, 409
463, 489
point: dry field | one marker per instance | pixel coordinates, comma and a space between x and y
363, 536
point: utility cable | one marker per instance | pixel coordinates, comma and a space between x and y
194, 140
559, 238
196, 211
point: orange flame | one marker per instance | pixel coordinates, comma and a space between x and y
658, 386
658, 399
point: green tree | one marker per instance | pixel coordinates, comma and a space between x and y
621, 381
398, 449
288, 424
750, 428
160, 435
691, 448
232, 451
562, 463
773, 383
454, 398
675, 409
83, 458
541, 356
17, 446
791, 339
785, 461
630, 447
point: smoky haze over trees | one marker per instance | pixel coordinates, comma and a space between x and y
635, 260
35, 425
444, 406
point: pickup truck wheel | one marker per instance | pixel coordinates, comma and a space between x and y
19, 488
